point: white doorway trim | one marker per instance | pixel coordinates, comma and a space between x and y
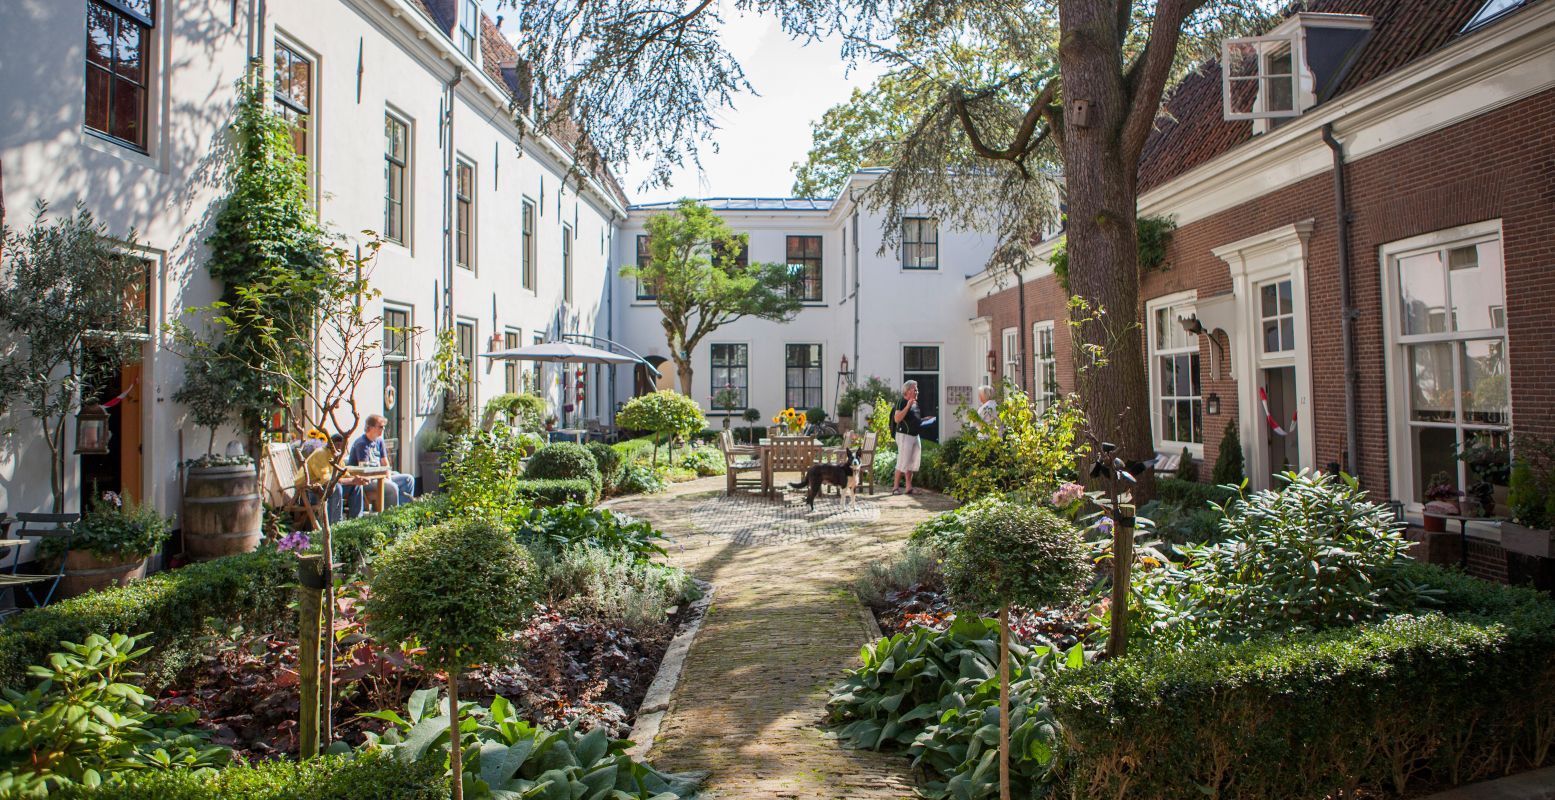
1273, 255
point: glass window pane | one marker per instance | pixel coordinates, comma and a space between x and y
1168, 420
127, 102
1168, 378
1268, 300
1431, 388
1287, 306
1423, 294
127, 50
1433, 453
1279, 93
99, 35
1486, 389
1478, 299
97, 90
1271, 336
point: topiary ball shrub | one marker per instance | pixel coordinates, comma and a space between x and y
565, 461
608, 461
1016, 554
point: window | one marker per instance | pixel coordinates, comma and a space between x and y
1011, 351
1044, 365
804, 264
1277, 316
567, 263
469, 27
1259, 79
739, 253
1174, 374
512, 376
1491, 11
118, 37
920, 243
465, 350
802, 376
464, 214
920, 358
396, 162
645, 291
294, 94
528, 254
1449, 351
731, 373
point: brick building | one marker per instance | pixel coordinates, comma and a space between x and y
1439, 117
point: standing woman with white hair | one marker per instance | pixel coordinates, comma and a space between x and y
907, 422
987, 410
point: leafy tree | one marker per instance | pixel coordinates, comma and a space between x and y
213, 390
700, 285
66, 291
859, 133
1024, 451
266, 228
663, 413
460, 589
1014, 554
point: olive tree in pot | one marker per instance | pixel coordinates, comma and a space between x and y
460, 589
1014, 554
1532, 499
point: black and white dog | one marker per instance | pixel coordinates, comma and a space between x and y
842, 476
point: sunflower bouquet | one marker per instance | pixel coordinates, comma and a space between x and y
791, 420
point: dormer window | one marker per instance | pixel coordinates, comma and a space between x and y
469, 27
1491, 11
1292, 68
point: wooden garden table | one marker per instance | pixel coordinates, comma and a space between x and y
378, 477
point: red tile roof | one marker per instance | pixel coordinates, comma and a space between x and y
1192, 132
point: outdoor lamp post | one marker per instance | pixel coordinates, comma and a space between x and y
92, 432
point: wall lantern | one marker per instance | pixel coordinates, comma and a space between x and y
993, 363
496, 343
92, 432
1212, 405
844, 368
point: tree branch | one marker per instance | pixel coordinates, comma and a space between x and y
1025, 139
1146, 78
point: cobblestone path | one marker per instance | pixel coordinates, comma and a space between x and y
783, 625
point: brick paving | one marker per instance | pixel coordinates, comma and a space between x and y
750, 705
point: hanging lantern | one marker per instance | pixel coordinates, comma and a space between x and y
92, 432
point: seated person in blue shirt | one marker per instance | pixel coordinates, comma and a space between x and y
368, 451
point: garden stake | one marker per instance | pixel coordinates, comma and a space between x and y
1122, 564
1004, 702
310, 579
456, 755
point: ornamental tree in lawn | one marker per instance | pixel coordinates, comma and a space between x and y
1014, 554
701, 282
460, 589
663, 413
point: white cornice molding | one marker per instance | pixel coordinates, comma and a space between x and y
1243, 253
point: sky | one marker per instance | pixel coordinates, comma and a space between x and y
761, 138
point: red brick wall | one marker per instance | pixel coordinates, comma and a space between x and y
1045, 300
1498, 165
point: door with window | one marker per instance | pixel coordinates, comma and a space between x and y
396, 383
921, 363
1279, 440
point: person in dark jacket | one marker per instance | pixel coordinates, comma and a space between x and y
907, 422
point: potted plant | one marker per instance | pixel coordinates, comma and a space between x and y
751, 415
726, 401
1489, 463
108, 546
1441, 500
222, 513
1532, 499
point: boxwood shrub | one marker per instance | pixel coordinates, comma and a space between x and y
564, 461
609, 462
1459, 694
1191, 495
545, 492
170, 608
326, 778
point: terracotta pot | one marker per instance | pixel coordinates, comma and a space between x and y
85, 572
221, 512
1435, 524
1517, 538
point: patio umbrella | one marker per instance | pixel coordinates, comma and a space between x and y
561, 353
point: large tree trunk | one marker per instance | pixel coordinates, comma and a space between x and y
683, 371
1100, 180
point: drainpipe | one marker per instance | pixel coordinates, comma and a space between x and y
857, 370
449, 245
610, 306
1020, 333
1347, 312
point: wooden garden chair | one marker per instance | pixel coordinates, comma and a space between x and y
279, 479
866, 461
39, 526
790, 454
739, 461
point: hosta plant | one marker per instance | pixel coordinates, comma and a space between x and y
85, 721
559, 527
510, 759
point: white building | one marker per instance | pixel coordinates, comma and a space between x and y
404, 117
897, 313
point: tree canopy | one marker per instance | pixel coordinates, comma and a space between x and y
700, 279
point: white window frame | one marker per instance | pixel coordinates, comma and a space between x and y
469, 29
1185, 304
527, 247
1298, 67
408, 183
1400, 449
568, 236
1009, 350
462, 161
1045, 394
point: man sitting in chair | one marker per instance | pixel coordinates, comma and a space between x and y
368, 451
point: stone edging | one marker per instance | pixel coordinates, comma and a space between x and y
871, 625
657, 701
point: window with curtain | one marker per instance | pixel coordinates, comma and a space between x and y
802, 376
1174, 374
1044, 364
804, 264
920, 243
730, 373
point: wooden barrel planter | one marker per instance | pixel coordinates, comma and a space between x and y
85, 572
222, 512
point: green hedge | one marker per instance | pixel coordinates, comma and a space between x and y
357, 539
1442, 698
544, 492
170, 607
1192, 495
327, 778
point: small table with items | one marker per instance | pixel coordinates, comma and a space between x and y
1463, 521
377, 476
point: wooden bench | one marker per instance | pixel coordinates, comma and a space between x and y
278, 482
